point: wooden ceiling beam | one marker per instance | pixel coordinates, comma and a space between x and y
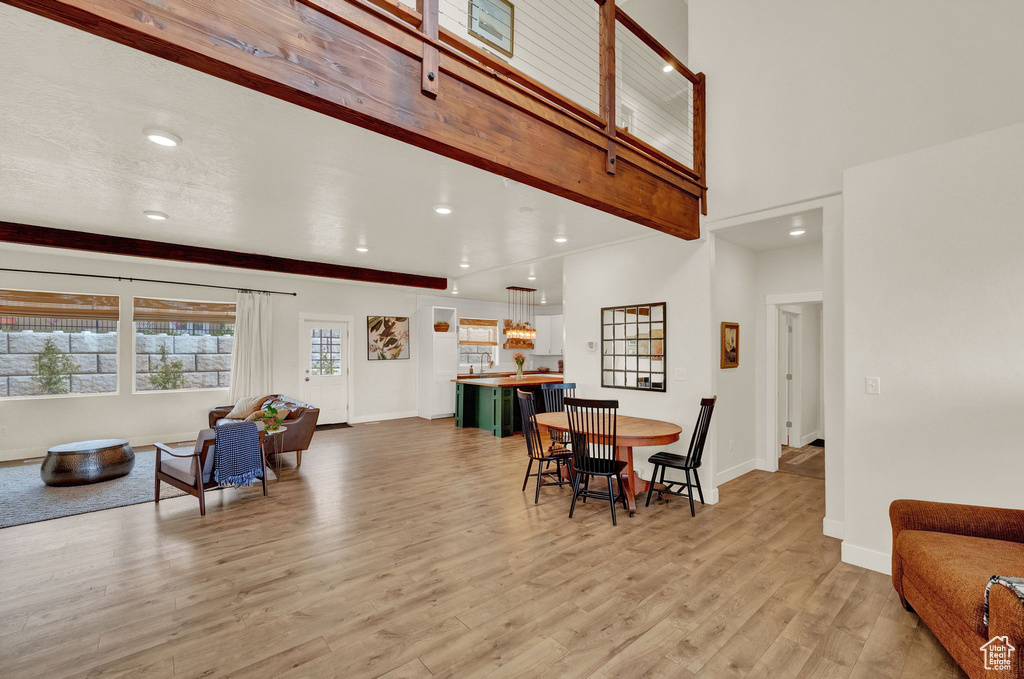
26, 234
348, 59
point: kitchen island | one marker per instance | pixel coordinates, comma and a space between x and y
490, 402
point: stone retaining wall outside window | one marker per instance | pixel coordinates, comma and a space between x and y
205, 360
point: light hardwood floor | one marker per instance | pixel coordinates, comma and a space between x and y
806, 461
406, 549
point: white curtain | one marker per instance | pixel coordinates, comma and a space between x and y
252, 355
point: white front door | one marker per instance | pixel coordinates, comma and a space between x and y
325, 369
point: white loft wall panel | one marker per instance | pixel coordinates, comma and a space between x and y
935, 309
802, 99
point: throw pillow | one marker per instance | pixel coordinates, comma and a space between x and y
245, 407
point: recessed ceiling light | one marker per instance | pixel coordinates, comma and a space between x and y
543, 301
797, 232
464, 265
162, 137
455, 291
154, 215
531, 278
362, 248
667, 68
561, 239
443, 209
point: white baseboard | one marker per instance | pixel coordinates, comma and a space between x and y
832, 528
871, 559
361, 419
735, 472
810, 437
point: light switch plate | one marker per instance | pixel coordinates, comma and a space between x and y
873, 386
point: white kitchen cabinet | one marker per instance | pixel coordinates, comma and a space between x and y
438, 362
549, 336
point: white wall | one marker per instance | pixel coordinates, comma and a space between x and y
735, 301
382, 389
800, 90
656, 269
810, 372
935, 308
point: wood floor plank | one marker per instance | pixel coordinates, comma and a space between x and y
335, 574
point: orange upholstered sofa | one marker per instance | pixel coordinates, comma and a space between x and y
942, 558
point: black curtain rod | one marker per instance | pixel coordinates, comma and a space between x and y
131, 279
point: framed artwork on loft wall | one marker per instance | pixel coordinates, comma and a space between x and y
387, 338
493, 23
730, 345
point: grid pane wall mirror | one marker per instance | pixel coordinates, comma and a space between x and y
633, 347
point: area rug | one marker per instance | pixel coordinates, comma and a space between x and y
24, 498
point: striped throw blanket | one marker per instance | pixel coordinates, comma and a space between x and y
1015, 585
238, 460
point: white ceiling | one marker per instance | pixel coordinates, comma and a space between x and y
773, 234
256, 174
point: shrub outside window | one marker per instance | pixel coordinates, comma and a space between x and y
57, 344
182, 344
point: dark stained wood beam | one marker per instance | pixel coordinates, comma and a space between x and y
25, 234
353, 61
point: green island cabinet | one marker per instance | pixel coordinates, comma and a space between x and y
490, 402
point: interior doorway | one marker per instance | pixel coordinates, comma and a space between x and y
326, 368
794, 416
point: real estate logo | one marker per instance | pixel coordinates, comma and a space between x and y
998, 653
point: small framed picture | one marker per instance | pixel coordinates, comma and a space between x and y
730, 345
493, 23
387, 338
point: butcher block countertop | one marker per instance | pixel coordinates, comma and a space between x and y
510, 381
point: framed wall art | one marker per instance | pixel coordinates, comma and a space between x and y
387, 338
493, 23
730, 345
633, 347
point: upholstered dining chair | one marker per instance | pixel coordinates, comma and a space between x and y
554, 402
535, 448
592, 431
192, 470
689, 463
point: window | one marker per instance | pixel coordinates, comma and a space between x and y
325, 351
54, 343
633, 347
181, 344
478, 343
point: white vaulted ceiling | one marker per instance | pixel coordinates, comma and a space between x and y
255, 174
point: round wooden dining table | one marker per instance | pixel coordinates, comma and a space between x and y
630, 432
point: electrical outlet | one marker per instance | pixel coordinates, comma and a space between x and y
873, 386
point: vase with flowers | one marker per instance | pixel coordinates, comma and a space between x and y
519, 359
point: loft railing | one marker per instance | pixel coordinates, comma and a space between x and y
587, 58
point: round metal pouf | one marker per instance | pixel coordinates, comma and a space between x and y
75, 464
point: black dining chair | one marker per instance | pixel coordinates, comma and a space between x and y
535, 448
592, 431
554, 397
689, 463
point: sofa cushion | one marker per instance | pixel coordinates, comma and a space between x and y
246, 406
282, 402
953, 570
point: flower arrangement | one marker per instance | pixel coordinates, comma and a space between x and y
519, 358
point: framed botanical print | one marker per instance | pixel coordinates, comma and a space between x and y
387, 338
633, 347
730, 345
493, 23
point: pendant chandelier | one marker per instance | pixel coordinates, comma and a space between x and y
520, 329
